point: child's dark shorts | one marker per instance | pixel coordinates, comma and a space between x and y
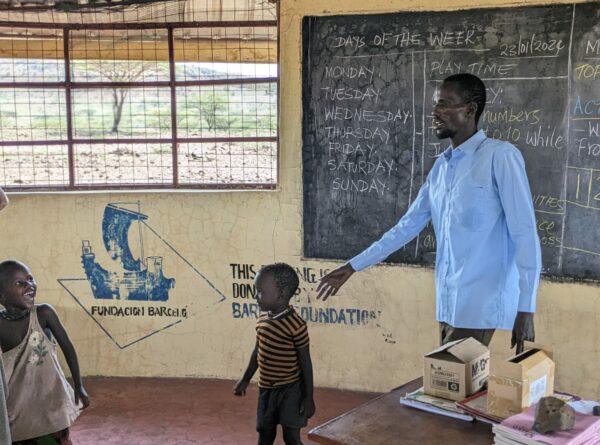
280, 405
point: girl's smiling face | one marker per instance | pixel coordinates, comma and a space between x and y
18, 290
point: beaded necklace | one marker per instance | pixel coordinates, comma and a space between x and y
13, 317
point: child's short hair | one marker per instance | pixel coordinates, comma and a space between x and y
7, 267
285, 277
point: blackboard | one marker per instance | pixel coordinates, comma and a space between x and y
367, 91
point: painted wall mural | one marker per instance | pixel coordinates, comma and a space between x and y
128, 279
141, 278
135, 284
243, 305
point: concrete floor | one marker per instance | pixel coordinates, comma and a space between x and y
159, 411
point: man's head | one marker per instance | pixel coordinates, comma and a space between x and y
275, 285
459, 103
17, 286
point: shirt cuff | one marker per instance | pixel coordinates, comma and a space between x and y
526, 304
358, 263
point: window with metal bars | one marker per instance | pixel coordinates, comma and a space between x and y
145, 105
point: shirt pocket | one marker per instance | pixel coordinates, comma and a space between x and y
478, 207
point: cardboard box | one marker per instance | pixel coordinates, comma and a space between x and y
519, 382
456, 370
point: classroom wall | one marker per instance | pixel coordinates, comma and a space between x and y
369, 337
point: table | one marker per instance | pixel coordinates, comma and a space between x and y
383, 421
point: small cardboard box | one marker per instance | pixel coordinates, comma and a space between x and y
456, 370
519, 382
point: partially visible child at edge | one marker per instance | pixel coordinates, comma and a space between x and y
282, 355
41, 404
3, 199
4, 428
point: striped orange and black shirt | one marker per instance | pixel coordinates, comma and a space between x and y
278, 339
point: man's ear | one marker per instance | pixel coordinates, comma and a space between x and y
472, 109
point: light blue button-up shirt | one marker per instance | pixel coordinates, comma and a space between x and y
488, 258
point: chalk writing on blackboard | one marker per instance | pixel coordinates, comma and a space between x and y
368, 141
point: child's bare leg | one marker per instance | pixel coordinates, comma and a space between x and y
62, 437
266, 436
291, 436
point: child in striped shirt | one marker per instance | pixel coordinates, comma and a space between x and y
283, 358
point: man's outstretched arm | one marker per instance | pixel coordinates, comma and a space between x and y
409, 226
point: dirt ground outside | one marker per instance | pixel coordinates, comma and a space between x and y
113, 164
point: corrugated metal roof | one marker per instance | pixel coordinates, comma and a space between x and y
123, 11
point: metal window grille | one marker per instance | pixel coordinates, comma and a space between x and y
140, 105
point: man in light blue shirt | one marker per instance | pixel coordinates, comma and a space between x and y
477, 196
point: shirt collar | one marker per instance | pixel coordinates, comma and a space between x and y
467, 147
282, 314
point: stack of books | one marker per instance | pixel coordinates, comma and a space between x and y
476, 406
518, 430
419, 400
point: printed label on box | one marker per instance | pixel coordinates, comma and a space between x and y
537, 389
444, 380
479, 366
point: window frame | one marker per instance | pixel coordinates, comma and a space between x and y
68, 86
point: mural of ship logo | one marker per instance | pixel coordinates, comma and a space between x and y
127, 282
142, 278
